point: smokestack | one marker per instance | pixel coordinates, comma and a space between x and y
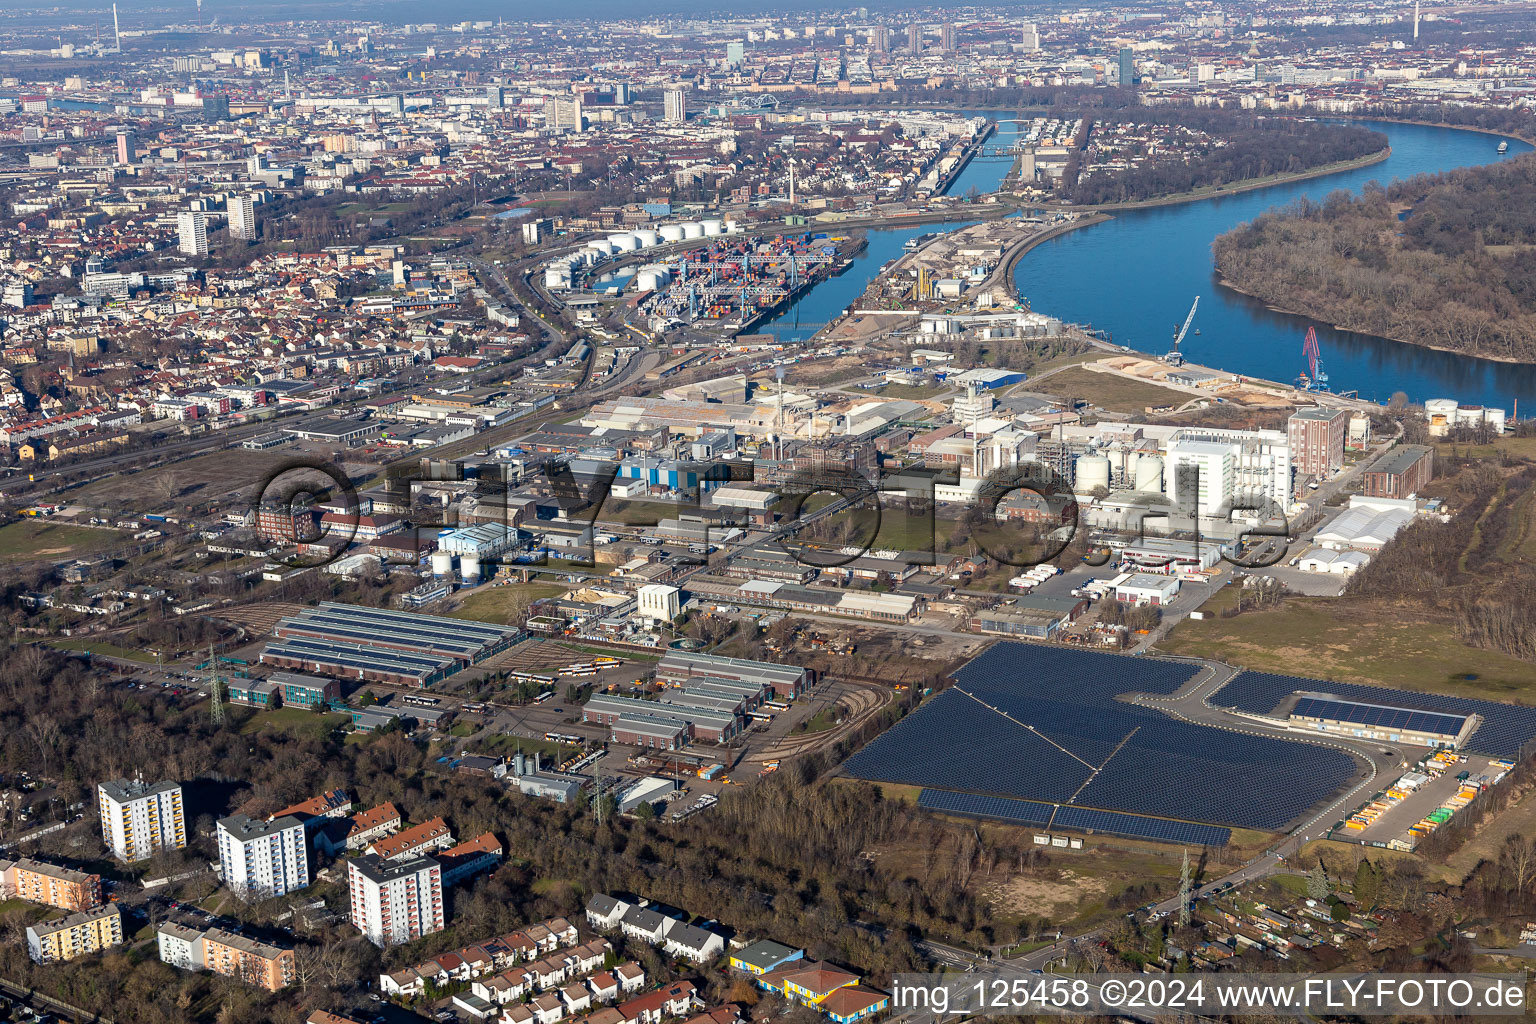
1415, 20
117, 37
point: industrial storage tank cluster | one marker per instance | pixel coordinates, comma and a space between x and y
559, 272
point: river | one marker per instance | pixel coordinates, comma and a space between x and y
1136, 275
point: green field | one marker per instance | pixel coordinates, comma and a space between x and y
637, 513
104, 648
38, 539
505, 604
1108, 390
295, 721
1354, 642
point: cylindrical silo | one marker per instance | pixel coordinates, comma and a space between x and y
469, 568
693, 229
647, 238
1092, 473
601, 245
624, 242
442, 563
713, 226
1149, 473
671, 232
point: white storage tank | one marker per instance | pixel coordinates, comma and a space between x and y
1092, 472
693, 229
1149, 473
713, 226
442, 563
624, 242
731, 227
647, 238
650, 278
469, 568
601, 245
671, 232
557, 277
1129, 463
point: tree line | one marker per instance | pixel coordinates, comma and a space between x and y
1438, 260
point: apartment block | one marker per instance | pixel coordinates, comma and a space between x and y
77, 935
139, 819
263, 858
222, 952
50, 884
395, 901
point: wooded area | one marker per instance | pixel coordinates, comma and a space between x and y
1252, 147
1446, 261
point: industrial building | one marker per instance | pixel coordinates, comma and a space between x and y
677, 667
705, 717
1367, 525
382, 644
1402, 474
1316, 436
1409, 726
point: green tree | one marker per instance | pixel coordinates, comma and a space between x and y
1317, 882
1367, 885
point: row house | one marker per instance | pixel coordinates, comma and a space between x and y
475, 961
646, 923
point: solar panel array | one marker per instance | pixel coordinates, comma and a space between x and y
1378, 717
1078, 819
1505, 729
1048, 698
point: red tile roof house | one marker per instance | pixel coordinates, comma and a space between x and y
672, 1000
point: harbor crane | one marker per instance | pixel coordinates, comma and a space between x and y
1174, 356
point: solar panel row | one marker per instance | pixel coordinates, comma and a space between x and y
1022, 720
1378, 717
1079, 819
1505, 729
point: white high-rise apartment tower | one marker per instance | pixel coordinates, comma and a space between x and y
263, 858
192, 228
242, 217
675, 102
395, 901
139, 819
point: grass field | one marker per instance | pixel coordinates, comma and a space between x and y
1108, 390
104, 648
552, 753
295, 721
915, 392
1354, 642
33, 539
638, 513
505, 604
226, 477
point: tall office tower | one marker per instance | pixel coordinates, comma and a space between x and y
621, 94
139, 819
255, 164
1030, 36
735, 54
192, 226
242, 217
1127, 68
261, 858
675, 102
563, 113
127, 144
915, 38
947, 37
880, 39
395, 901
495, 97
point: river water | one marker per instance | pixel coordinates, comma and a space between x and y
1136, 275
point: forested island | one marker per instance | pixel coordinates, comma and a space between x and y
1446, 261
1241, 147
